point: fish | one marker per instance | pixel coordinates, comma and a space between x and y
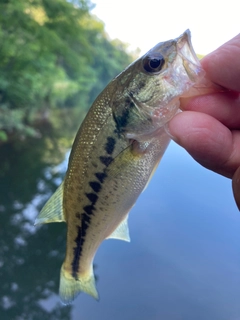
114, 155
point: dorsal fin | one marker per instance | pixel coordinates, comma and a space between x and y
121, 232
53, 209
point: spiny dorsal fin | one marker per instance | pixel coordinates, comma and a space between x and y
121, 232
53, 209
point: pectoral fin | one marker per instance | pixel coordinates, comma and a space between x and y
53, 209
121, 232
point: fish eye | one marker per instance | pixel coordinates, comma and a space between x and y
153, 64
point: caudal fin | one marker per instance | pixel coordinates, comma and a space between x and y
70, 288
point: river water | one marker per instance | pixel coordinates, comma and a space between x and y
183, 261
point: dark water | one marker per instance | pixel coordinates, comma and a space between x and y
183, 261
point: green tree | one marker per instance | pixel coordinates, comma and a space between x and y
52, 54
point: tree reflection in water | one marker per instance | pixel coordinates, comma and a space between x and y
30, 257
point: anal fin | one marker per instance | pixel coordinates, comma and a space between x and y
121, 232
53, 209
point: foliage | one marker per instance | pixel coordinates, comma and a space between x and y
52, 54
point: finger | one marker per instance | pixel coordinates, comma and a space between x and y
223, 65
207, 140
222, 106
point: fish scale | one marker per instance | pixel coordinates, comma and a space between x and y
115, 154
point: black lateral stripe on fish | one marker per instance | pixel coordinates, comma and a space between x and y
92, 197
89, 209
123, 118
81, 232
115, 153
110, 145
80, 239
101, 176
77, 251
96, 186
106, 160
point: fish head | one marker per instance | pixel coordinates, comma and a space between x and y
147, 93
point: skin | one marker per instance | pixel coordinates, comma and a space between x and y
209, 127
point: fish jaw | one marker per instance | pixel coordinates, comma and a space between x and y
190, 60
199, 83
183, 73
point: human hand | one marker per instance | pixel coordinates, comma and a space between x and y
209, 127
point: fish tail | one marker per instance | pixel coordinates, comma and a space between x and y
70, 287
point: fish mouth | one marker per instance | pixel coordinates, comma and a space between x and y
190, 60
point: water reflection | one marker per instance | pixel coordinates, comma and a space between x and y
30, 258
183, 261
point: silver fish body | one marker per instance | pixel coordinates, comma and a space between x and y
114, 155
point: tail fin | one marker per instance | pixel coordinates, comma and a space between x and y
70, 287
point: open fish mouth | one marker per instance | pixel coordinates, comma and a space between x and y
190, 60
202, 85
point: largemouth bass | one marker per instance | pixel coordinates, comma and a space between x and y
114, 155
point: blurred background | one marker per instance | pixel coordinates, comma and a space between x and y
183, 261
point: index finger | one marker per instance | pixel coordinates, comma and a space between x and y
223, 65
